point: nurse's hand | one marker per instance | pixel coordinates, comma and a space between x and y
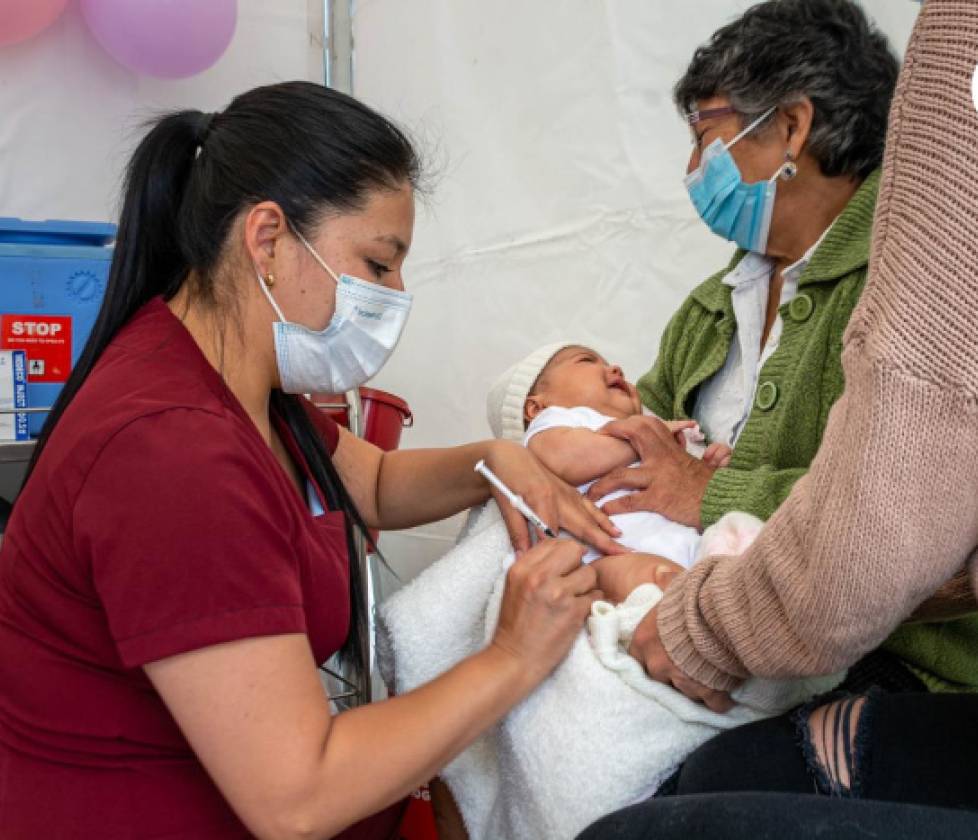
557, 503
669, 480
548, 598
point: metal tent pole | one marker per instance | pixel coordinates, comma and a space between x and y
338, 62
338, 45
364, 687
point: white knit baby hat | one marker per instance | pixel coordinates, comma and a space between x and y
507, 396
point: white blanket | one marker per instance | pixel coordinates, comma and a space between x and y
595, 736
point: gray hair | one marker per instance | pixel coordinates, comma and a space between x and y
827, 50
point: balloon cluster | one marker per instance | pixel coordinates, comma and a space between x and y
170, 39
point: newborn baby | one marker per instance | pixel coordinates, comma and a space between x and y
556, 401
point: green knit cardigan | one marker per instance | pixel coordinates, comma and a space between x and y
798, 384
796, 389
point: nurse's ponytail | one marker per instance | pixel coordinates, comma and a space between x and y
299, 144
147, 260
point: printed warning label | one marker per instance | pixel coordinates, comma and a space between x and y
46, 339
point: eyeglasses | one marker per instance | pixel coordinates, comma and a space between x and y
694, 117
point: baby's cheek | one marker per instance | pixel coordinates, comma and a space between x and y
636, 400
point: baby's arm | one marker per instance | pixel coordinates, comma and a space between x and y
578, 455
717, 455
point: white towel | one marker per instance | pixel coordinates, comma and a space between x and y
595, 736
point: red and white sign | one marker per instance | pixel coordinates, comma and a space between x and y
47, 341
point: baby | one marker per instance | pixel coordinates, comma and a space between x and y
556, 400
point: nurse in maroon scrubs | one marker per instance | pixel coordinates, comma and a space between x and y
179, 559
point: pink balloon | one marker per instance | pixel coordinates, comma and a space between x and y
23, 19
170, 39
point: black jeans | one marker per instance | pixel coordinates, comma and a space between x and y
777, 816
914, 748
920, 748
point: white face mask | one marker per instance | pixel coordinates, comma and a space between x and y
365, 327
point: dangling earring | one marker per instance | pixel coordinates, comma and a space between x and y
269, 280
789, 169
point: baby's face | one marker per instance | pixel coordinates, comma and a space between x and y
579, 376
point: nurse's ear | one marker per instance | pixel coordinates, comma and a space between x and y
265, 228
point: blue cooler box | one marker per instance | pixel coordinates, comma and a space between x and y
52, 279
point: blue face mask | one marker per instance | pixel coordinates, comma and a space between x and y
731, 208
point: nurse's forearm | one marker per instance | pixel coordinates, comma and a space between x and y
410, 487
255, 714
378, 753
415, 486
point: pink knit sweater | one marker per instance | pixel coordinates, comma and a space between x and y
889, 509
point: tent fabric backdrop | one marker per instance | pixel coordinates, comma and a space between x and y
558, 209
72, 114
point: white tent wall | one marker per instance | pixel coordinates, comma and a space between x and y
71, 114
558, 209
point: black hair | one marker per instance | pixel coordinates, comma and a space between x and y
308, 148
826, 50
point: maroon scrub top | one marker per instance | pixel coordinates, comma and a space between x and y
157, 521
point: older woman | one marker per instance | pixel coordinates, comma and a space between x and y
886, 518
788, 108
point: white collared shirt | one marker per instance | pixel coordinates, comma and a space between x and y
724, 401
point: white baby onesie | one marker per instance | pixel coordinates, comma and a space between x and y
642, 531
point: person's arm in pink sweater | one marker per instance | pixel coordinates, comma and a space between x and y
863, 539
889, 510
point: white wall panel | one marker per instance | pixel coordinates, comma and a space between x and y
71, 114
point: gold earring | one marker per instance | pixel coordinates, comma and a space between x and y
269, 280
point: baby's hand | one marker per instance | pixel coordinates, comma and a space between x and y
717, 455
619, 574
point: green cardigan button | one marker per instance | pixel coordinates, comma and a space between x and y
767, 396
801, 308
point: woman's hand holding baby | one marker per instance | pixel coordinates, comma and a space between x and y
617, 577
668, 481
678, 428
648, 649
555, 501
717, 455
